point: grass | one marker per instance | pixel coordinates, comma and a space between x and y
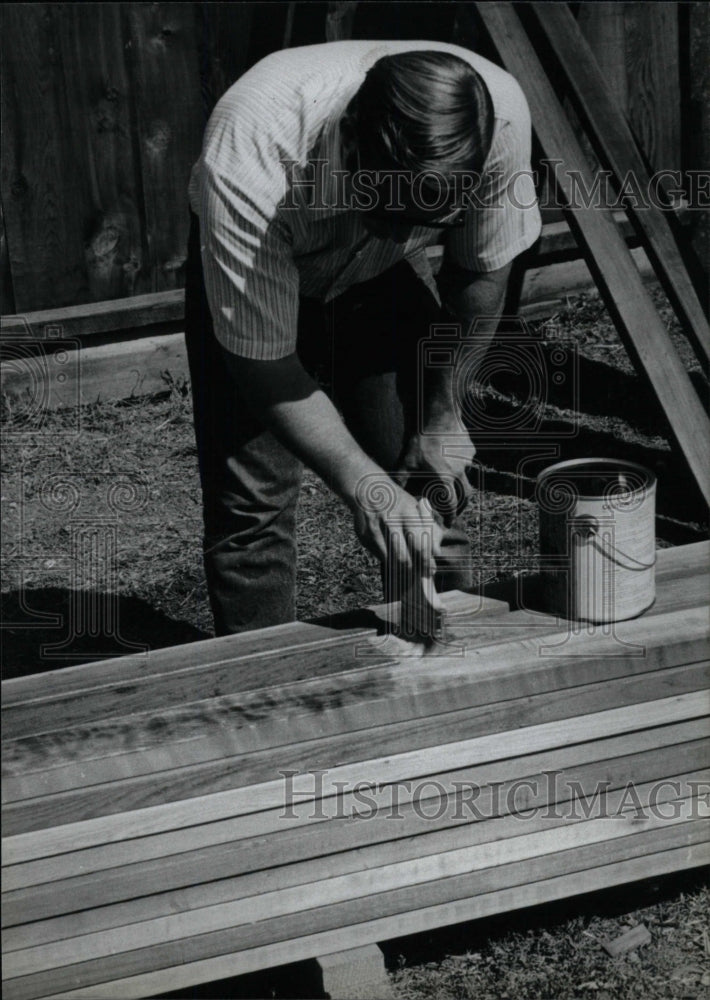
547, 955
131, 470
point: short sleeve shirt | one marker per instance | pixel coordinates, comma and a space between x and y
274, 201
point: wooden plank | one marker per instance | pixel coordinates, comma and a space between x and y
94, 912
235, 774
201, 863
602, 24
97, 96
160, 360
251, 649
614, 142
74, 220
333, 655
90, 318
141, 822
632, 310
62, 726
696, 118
379, 929
361, 723
232, 848
225, 32
680, 680
385, 874
206, 742
134, 366
685, 561
652, 55
164, 61
41, 190
340, 916
205, 876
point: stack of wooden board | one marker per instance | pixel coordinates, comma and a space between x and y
240, 803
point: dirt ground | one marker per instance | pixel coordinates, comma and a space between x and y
104, 515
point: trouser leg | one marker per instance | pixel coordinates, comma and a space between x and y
250, 484
376, 329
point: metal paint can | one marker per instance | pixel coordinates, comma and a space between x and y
597, 539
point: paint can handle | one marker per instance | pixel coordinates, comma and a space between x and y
586, 527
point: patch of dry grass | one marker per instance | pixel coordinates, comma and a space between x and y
566, 960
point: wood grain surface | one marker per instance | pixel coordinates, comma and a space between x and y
612, 137
639, 325
340, 916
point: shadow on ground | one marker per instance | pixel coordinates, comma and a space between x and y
52, 627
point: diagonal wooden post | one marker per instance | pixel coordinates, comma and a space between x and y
611, 135
640, 327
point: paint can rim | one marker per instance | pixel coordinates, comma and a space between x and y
612, 464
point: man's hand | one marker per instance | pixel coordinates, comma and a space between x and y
438, 462
400, 530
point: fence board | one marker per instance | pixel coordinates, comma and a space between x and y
40, 189
7, 299
225, 33
611, 136
97, 95
164, 75
602, 24
653, 80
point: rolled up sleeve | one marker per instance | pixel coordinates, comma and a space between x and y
251, 279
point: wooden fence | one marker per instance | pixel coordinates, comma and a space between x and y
103, 108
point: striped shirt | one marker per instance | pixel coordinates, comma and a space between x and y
271, 193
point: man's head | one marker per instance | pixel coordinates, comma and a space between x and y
426, 113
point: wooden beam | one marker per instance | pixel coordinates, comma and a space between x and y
203, 872
653, 80
98, 317
86, 903
202, 970
360, 724
133, 817
684, 562
348, 917
166, 779
385, 872
639, 325
255, 659
611, 136
602, 24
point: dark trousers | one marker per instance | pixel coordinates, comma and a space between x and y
364, 346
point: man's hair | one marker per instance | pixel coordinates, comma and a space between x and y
424, 111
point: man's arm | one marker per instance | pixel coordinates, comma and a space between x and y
302, 417
442, 446
470, 298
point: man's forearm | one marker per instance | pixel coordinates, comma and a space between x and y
301, 416
475, 302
